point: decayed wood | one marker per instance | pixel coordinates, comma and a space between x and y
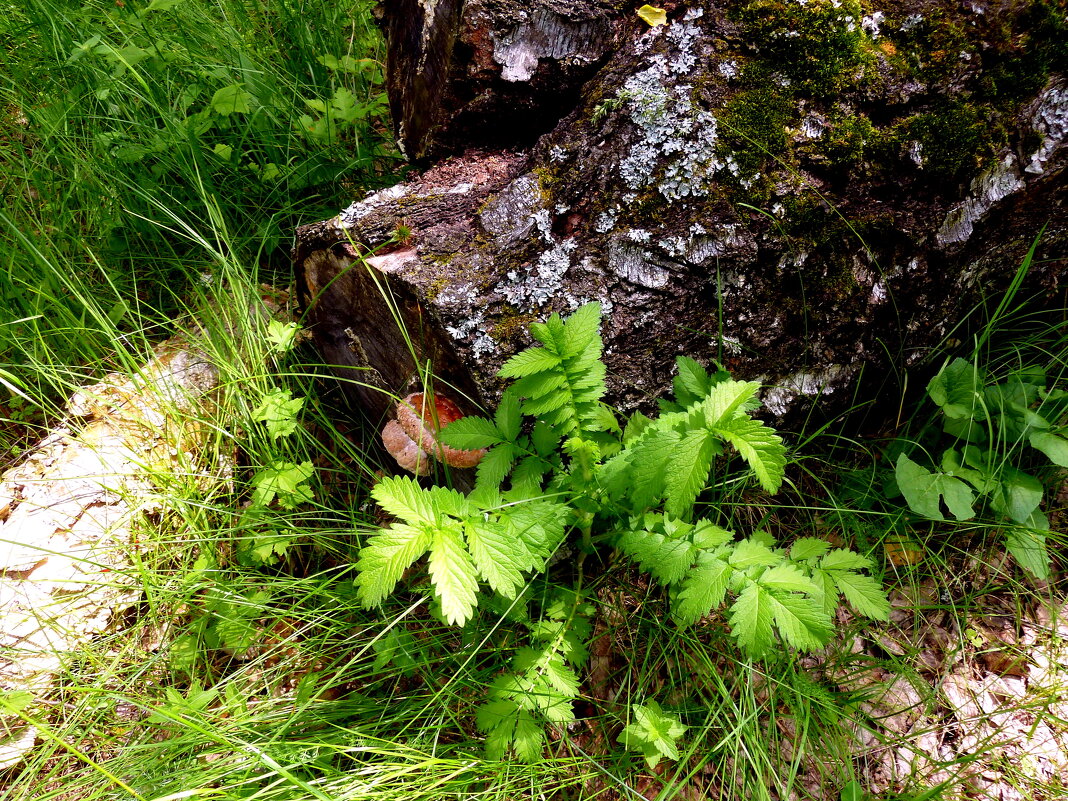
811, 268
69, 515
489, 72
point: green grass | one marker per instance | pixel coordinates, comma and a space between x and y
154, 161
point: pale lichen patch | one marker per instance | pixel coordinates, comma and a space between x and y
1050, 121
990, 188
779, 399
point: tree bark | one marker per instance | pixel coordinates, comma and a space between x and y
802, 192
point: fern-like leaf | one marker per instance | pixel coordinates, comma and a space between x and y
385, 558
531, 361
752, 616
688, 471
498, 555
703, 589
470, 433
453, 574
760, 446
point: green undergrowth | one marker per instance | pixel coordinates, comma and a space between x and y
247, 118
655, 606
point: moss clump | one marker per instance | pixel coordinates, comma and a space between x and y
818, 45
547, 178
753, 127
955, 139
847, 142
932, 46
512, 328
1035, 46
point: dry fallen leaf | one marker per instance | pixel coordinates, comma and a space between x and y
653, 15
902, 550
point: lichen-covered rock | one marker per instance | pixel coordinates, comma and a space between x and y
800, 191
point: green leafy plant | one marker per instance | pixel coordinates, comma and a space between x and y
226, 616
557, 462
653, 733
993, 429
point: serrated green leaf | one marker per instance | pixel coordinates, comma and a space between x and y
708, 536
448, 501
495, 465
808, 548
497, 720
654, 733
703, 589
285, 481
279, 410
453, 575
692, 382
649, 459
687, 472
529, 362
787, 578
545, 438
752, 553
1054, 446
863, 593
842, 559
637, 423
508, 417
751, 619
494, 551
402, 497
726, 399
923, 489
560, 676
540, 525
581, 330
667, 560
385, 558
281, 335
545, 405
529, 737
760, 446
470, 434
527, 476
800, 620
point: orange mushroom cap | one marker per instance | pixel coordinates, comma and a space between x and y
402, 448
422, 422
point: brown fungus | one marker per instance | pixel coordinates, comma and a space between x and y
412, 438
402, 448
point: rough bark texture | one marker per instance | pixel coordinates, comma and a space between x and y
488, 71
69, 516
804, 192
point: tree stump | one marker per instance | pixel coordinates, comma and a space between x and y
805, 193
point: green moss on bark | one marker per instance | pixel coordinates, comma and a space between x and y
954, 138
754, 125
819, 45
